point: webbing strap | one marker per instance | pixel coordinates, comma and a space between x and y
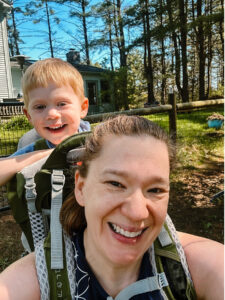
142, 286
58, 180
30, 194
164, 238
30, 186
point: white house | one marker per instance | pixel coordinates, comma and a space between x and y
6, 87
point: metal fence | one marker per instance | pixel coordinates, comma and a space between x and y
13, 123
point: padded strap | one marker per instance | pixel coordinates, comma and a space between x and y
164, 238
58, 180
142, 286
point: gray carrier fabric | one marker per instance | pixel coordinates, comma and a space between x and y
38, 221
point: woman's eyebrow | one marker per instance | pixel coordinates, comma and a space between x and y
125, 174
116, 172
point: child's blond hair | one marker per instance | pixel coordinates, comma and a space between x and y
55, 70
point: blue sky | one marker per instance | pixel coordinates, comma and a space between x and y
67, 34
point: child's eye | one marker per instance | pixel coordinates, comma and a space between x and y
39, 107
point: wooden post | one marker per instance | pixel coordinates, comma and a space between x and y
173, 117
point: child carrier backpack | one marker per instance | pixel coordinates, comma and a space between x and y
167, 258
31, 191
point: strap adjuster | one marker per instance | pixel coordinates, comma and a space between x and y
162, 280
57, 180
31, 194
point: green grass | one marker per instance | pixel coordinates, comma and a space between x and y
196, 142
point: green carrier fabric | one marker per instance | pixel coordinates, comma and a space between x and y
171, 274
15, 190
30, 192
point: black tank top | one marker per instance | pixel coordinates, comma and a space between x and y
88, 287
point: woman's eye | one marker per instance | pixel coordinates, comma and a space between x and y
61, 103
116, 184
155, 190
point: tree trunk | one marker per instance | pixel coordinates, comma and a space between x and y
15, 34
118, 23
148, 55
110, 35
201, 51
210, 53
183, 31
176, 50
221, 33
163, 69
49, 29
85, 32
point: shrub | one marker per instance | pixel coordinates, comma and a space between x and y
17, 123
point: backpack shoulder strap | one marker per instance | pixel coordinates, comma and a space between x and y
170, 258
55, 284
40, 144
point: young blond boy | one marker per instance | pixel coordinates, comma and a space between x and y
54, 103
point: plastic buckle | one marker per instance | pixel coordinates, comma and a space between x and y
57, 180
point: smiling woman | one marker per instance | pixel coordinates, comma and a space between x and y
116, 244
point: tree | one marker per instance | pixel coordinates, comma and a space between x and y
80, 9
105, 11
120, 38
40, 11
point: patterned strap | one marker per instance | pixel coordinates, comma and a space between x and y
58, 180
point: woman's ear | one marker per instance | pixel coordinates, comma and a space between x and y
78, 190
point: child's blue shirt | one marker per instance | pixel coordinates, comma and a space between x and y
84, 126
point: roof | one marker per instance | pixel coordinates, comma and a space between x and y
14, 63
80, 67
88, 69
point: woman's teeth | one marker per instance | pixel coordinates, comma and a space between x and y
125, 233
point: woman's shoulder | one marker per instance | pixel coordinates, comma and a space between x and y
19, 281
205, 260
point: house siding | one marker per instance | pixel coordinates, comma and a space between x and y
6, 89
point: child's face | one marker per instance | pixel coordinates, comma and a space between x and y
55, 112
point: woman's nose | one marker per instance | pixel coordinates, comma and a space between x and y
135, 207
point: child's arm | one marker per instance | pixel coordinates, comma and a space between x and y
11, 165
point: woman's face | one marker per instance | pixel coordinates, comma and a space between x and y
125, 196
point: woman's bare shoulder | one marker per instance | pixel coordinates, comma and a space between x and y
205, 259
19, 281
